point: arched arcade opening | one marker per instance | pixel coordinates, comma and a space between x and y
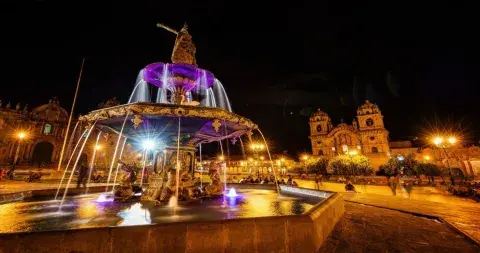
42, 153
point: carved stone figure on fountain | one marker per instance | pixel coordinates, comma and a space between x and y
215, 188
127, 176
169, 187
184, 49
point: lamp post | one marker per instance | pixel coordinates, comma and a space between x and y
20, 137
443, 143
305, 159
280, 167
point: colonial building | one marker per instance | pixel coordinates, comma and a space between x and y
44, 129
237, 164
366, 135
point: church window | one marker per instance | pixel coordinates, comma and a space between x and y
369, 122
47, 129
320, 152
372, 138
319, 142
319, 128
374, 150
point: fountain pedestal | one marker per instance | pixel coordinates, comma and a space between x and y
162, 185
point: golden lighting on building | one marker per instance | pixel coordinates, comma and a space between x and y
257, 146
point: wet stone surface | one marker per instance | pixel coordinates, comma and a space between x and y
371, 229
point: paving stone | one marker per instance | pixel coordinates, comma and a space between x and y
392, 231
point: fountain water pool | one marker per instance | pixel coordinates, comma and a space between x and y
104, 197
98, 210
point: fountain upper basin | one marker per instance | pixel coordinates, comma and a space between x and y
190, 75
199, 124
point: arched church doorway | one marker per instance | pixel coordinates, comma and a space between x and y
42, 153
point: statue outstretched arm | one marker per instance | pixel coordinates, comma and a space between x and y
167, 28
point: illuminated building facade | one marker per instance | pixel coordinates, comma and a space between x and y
366, 135
44, 129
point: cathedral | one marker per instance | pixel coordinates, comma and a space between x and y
44, 128
366, 135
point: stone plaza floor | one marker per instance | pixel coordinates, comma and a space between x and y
372, 229
462, 213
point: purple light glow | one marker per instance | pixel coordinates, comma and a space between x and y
103, 198
232, 193
179, 74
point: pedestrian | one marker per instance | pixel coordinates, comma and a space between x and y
317, 182
289, 181
82, 176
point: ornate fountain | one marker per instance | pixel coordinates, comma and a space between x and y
177, 127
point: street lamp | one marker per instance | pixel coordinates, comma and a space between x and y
21, 135
305, 158
440, 142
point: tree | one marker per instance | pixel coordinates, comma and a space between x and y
297, 170
400, 165
350, 165
317, 165
430, 170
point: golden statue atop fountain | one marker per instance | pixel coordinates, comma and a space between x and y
184, 49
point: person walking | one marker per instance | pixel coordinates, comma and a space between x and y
82, 176
317, 182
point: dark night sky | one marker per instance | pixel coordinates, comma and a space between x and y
277, 61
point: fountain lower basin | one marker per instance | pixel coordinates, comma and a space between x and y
257, 219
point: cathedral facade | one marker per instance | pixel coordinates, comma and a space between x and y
44, 128
366, 135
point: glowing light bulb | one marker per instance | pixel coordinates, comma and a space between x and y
148, 144
21, 135
438, 140
452, 140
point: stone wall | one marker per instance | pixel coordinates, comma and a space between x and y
296, 233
